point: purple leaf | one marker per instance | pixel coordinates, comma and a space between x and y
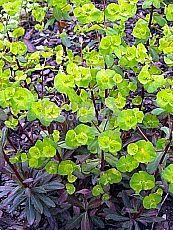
85, 223
83, 191
31, 48
94, 203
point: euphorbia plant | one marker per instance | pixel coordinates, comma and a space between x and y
120, 99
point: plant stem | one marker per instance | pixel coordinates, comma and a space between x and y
106, 93
153, 224
42, 84
22, 6
102, 161
59, 158
14, 169
142, 134
18, 64
6, 24
26, 133
142, 96
94, 103
151, 16
11, 143
42, 79
169, 140
149, 25
104, 8
60, 32
106, 123
81, 50
96, 126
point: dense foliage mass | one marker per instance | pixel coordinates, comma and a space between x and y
89, 147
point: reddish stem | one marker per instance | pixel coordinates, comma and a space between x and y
14, 169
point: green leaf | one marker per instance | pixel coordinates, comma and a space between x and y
56, 135
150, 121
59, 53
65, 40
70, 188
157, 111
97, 190
167, 174
171, 188
137, 100
57, 13
165, 100
105, 79
156, 82
147, 4
128, 119
66, 167
115, 103
152, 201
12, 7
112, 11
71, 178
89, 166
111, 176
141, 30
110, 141
64, 82
132, 149
34, 152
38, 13
34, 163
152, 166
18, 48
127, 164
18, 32
81, 135
160, 20
11, 123
169, 12
52, 167
154, 54
146, 152
44, 110
142, 181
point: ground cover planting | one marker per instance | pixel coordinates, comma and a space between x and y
86, 114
